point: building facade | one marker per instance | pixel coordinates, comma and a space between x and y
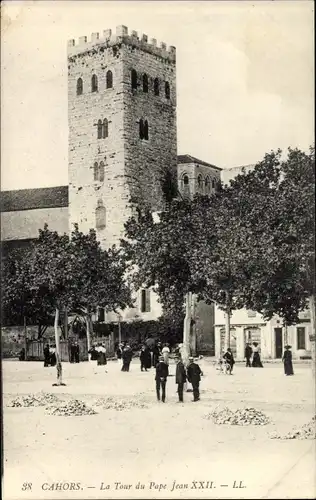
271, 336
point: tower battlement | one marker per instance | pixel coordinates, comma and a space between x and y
121, 36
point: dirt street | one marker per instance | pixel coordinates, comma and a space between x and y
156, 450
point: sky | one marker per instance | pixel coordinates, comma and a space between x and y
245, 78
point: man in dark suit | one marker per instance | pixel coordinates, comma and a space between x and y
162, 373
248, 354
180, 377
194, 373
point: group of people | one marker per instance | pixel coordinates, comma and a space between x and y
50, 355
253, 352
192, 373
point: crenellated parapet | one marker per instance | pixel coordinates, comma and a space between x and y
121, 36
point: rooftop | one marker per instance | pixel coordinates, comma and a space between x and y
28, 199
192, 159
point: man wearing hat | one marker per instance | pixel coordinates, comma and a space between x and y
180, 377
162, 373
194, 373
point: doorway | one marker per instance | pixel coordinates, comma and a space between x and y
278, 337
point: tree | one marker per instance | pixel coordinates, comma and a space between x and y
69, 273
99, 276
274, 206
18, 302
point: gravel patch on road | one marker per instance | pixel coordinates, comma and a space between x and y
241, 416
28, 400
119, 404
307, 431
70, 409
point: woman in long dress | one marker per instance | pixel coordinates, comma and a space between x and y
287, 361
256, 361
101, 355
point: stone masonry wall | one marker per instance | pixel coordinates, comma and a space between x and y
132, 165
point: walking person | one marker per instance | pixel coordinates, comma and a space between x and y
72, 352
156, 354
93, 353
248, 354
194, 374
181, 377
162, 372
287, 361
229, 358
145, 358
52, 355
165, 352
101, 355
127, 356
256, 360
76, 353
46, 356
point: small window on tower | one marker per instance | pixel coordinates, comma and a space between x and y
105, 130
167, 90
100, 213
109, 79
134, 79
79, 86
141, 129
145, 83
146, 130
100, 128
94, 83
101, 172
156, 86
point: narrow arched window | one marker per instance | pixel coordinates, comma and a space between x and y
213, 183
185, 180
101, 172
96, 171
146, 130
145, 83
109, 79
100, 127
100, 214
185, 186
156, 86
167, 90
94, 83
207, 185
134, 79
141, 129
200, 183
105, 128
79, 86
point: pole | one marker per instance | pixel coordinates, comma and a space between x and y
87, 318
119, 329
25, 339
312, 335
193, 327
186, 329
66, 324
227, 329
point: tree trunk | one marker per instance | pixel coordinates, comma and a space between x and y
66, 324
87, 319
312, 336
186, 329
227, 329
25, 339
58, 356
193, 328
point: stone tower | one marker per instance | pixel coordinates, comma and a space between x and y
122, 128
